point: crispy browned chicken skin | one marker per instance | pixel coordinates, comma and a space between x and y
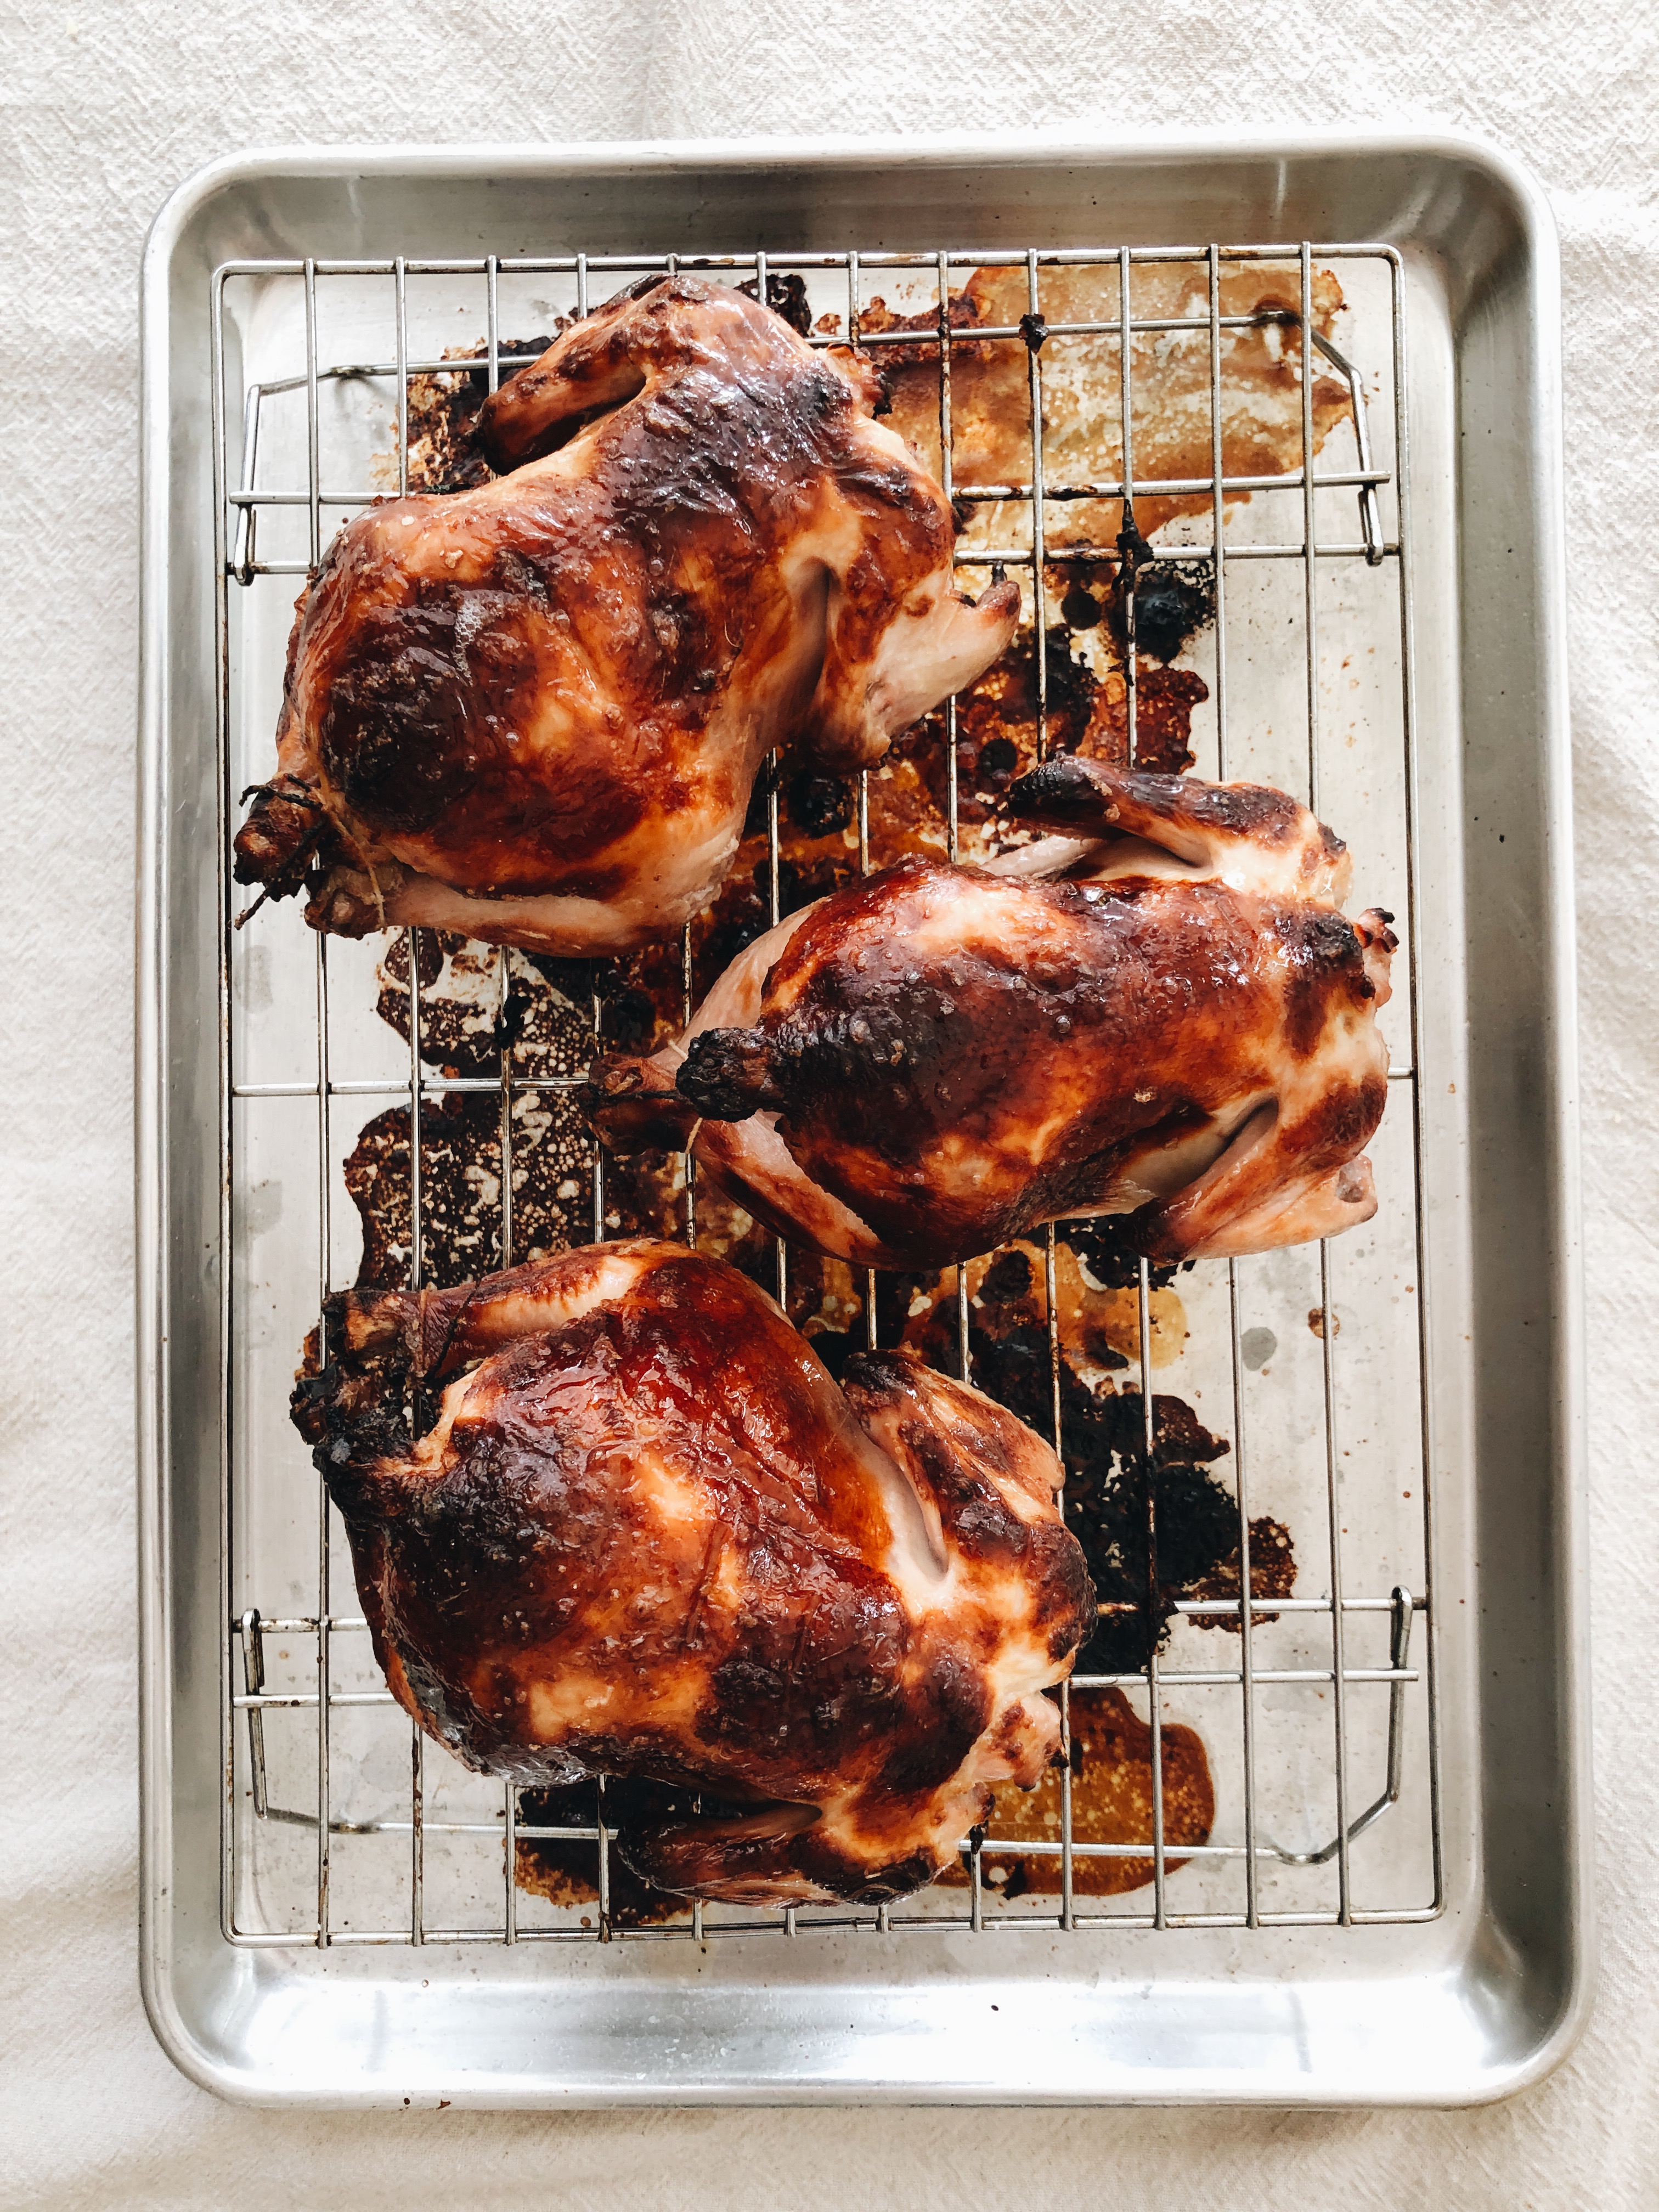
1161, 1012
533, 711
647, 1535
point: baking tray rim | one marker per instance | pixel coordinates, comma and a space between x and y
1007, 149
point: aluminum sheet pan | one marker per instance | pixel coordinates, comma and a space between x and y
1468, 2001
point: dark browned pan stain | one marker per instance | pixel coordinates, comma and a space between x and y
786, 296
997, 727
545, 1025
1272, 1574
990, 401
1173, 600
1106, 1507
1111, 1803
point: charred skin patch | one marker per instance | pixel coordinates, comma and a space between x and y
420, 704
1325, 963
948, 1709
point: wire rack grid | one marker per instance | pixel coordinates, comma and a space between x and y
247, 1697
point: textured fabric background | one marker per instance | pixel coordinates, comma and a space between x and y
106, 106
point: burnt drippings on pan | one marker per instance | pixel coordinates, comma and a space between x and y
460, 1186
565, 1871
541, 1014
1173, 600
1111, 1803
786, 296
1004, 728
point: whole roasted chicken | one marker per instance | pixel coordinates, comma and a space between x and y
532, 711
1160, 1012
647, 1535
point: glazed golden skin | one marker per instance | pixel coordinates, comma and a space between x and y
647, 1535
533, 711
1161, 1012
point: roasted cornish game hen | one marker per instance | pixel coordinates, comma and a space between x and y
1160, 1012
647, 1535
533, 711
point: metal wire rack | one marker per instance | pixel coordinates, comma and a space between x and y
247, 1698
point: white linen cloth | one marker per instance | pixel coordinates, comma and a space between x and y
106, 108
